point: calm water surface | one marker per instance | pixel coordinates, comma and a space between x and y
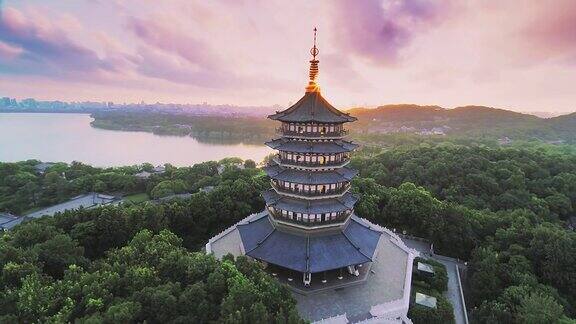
69, 137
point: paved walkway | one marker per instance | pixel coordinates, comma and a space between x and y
453, 292
85, 201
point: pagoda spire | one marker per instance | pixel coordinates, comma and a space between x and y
312, 86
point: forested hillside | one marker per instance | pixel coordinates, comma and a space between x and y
501, 209
469, 121
131, 263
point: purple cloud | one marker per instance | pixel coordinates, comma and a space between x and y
44, 48
379, 30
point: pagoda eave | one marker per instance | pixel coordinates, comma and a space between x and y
280, 173
344, 203
312, 107
332, 147
310, 254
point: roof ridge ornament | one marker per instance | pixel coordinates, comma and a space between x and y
312, 86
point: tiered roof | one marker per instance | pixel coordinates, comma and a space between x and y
330, 147
320, 206
312, 108
277, 172
356, 244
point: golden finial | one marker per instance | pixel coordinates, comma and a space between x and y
312, 86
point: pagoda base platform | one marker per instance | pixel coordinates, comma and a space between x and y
379, 294
328, 280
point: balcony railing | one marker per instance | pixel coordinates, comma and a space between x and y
301, 223
311, 195
313, 165
338, 134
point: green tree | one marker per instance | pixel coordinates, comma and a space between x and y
537, 308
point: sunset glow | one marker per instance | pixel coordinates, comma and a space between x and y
518, 55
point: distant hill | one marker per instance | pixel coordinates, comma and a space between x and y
248, 123
467, 121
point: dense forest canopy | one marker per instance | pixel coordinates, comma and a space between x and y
23, 188
502, 209
131, 263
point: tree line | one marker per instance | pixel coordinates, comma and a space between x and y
131, 263
23, 187
489, 206
500, 209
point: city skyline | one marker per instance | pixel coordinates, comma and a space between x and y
252, 53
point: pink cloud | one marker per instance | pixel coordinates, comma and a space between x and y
163, 34
8, 51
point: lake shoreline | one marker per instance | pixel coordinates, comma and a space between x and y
70, 137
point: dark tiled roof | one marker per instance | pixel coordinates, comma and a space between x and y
355, 245
312, 108
333, 147
346, 202
307, 177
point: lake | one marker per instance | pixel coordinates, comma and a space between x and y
69, 137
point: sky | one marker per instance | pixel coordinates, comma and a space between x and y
511, 54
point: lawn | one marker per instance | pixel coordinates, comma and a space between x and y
137, 198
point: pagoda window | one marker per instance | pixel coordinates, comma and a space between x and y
290, 215
300, 129
298, 216
306, 188
333, 215
327, 217
323, 131
307, 158
284, 213
313, 189
313, 158
315, 129
321, 159
305, 217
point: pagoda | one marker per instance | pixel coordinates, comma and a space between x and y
308, 236
309, 226
309, 177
